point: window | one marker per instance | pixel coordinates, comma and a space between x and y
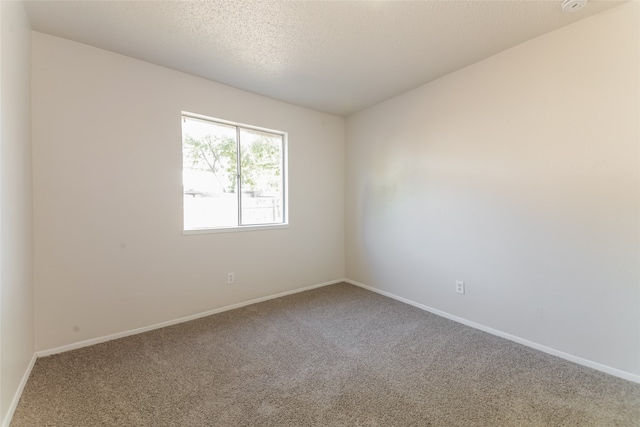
233, 175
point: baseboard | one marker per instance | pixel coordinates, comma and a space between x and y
18, 394
575, 359
93, 341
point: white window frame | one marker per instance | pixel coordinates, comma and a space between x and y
285, 180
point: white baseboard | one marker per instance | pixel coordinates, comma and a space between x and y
579, 360
18, 394
93, 341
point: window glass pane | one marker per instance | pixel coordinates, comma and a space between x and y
262, 177
209, 174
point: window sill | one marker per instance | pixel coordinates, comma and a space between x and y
234, 229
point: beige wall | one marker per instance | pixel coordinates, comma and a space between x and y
110, 255
16, 230
518, 175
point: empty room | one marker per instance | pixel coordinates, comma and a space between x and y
320, 213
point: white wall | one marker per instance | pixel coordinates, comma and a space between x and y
518, 175
110, 255
16, 230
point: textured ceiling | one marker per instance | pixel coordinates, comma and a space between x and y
330, 56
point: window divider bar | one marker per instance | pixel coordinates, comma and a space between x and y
239, 175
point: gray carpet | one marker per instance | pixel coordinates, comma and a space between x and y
333, 356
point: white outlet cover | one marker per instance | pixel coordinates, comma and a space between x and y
459, 287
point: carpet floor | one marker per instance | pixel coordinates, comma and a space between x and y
333, 356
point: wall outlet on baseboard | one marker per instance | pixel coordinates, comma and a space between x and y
460, 287
231, 278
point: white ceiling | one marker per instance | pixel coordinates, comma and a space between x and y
331, 56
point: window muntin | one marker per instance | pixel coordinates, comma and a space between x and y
233, 175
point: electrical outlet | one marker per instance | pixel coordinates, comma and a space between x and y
460, 287
231, 278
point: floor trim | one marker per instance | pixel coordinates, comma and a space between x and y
18, 395
579, 360
93, 341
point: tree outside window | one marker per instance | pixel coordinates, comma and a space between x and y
233, 176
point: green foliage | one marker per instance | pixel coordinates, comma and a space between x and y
261, 165
214, 154
260, 161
